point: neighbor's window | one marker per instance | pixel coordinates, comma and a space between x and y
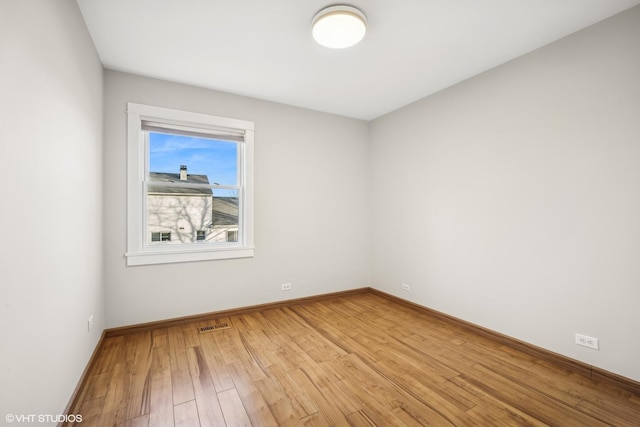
190, 180
161, 237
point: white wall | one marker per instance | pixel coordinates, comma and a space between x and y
311, 216
51, 209
514, 197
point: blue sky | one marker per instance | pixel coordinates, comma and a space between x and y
216, 159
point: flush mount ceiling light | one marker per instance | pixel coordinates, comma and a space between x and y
339, 26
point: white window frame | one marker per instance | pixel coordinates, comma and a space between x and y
138, 251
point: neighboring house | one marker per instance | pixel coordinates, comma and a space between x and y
177, 214
224, 219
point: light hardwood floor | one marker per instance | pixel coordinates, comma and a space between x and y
359, 360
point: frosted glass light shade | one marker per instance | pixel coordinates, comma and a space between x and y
338, 27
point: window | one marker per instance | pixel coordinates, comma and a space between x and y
161, 237
190, 195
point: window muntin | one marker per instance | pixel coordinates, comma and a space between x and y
190, 174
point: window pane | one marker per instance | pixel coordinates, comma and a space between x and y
217, 160
224, 216
198, 215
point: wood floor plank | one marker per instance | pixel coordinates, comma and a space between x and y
330, 384
255, 336
318, 350
285, 410
209, 410
408, 417
315, 420
218, 370
111, 352
587, 389
328, 405
138, 397
302, 403
359, 419
130, 347
98, 387
191, 335
255, 406
180, 376
91, 411
360, 360
186, 414
161, 393
491, 410
384, 417
523, 370
235, 349
536, 405
607, 414
380, 395
233, 410
160, 337
116, 400
141, 421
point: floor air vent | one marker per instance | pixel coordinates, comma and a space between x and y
212, 328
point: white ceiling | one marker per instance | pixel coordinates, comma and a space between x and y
264, 48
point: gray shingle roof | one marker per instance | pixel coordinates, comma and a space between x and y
225, 211
161, 177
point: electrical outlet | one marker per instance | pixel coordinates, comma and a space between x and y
586, 341
286, 286
90, 323
406, 287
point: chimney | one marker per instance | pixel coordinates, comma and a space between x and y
183, 172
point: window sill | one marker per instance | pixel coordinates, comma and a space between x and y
167, 257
